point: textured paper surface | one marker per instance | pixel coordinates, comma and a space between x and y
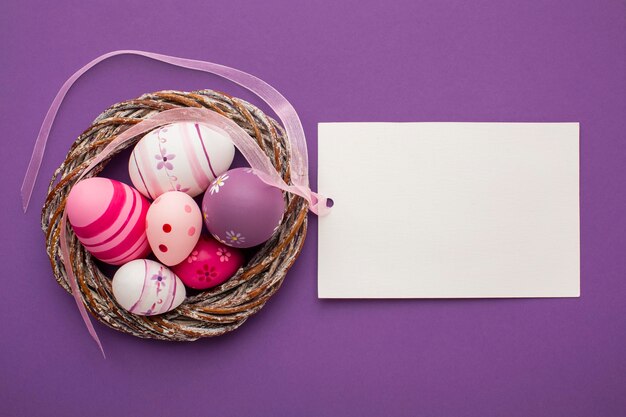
448, 210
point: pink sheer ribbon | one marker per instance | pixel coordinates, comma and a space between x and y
259, 162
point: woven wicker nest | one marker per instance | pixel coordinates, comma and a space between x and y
212, 312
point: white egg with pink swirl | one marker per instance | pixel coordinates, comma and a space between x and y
181, 156
147, 288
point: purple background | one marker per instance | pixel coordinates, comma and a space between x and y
336, 61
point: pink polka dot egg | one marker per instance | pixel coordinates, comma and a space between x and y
173, 226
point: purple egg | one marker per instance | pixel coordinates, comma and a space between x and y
240, 210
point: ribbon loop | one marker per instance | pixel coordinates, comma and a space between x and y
274, 99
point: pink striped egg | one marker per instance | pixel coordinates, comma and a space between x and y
182, 156
109, 219
147, 288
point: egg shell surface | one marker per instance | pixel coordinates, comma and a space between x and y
173, 226
209, 264
182, 157
147, 288
108, 217
240, 210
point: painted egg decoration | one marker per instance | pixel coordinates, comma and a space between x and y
173, 226
182, 156
109, 218
147, 288
240, 210
209, 264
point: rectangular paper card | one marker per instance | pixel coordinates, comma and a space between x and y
449, 210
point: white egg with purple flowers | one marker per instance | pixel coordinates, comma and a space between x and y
182, 156
147, 288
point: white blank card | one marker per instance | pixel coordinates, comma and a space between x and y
449, 210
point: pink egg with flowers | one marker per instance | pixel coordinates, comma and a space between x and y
109, 217
209, 264
173, 226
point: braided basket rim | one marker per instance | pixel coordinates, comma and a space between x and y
211, 312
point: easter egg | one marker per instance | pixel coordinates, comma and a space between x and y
209, 264
109, 219
173, 226
147, 288
179, 157
240, 210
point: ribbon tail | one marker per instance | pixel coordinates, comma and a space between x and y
36, 158
44, 131
74, 285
